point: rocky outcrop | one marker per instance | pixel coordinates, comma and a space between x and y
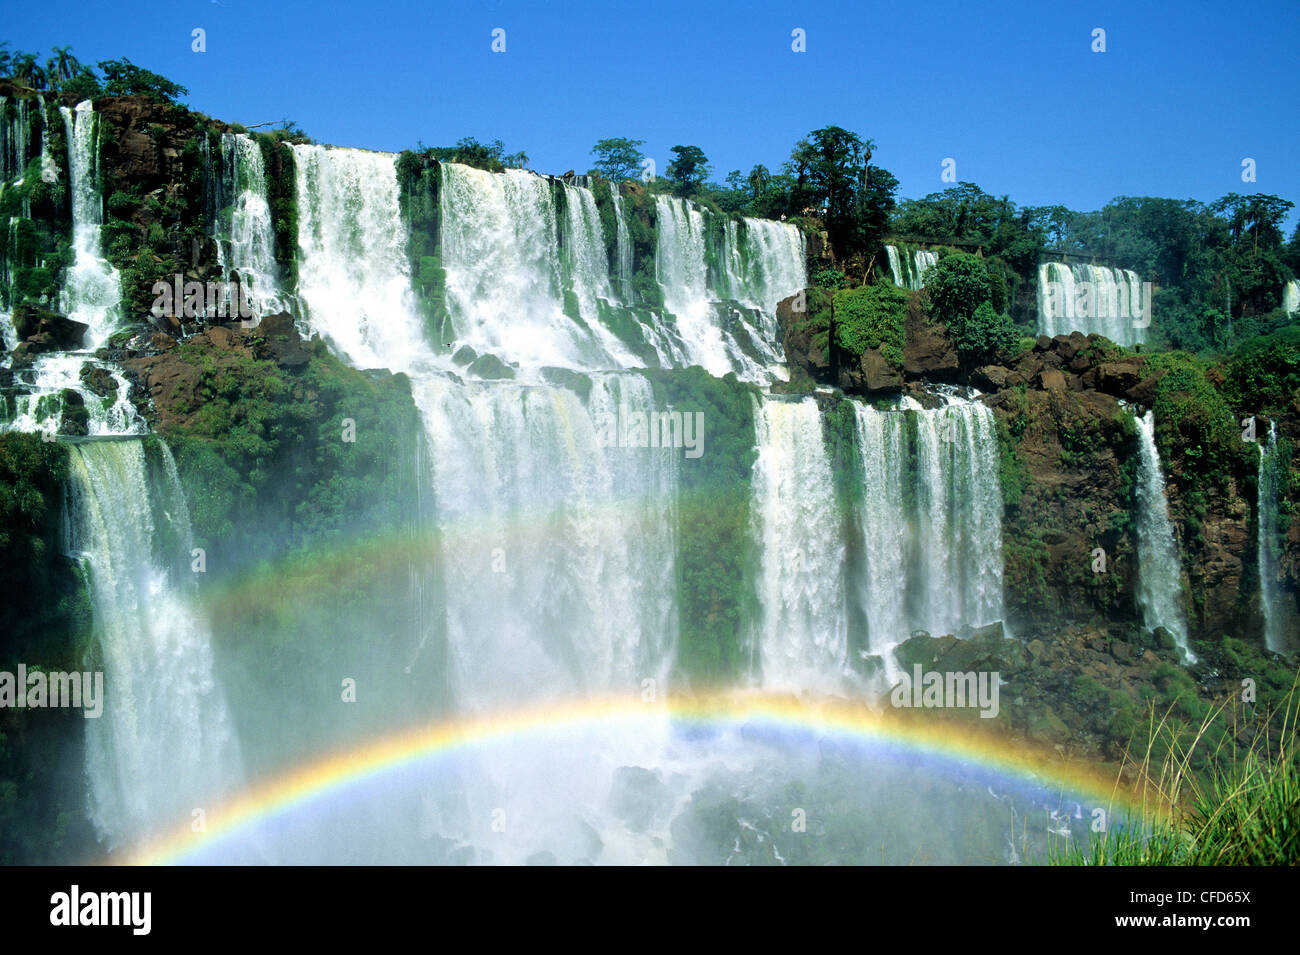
927, 351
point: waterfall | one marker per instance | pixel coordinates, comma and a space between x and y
1090, 298
907, 266
682, 271
1266, 546
771, 266
559, 552
92, 291
1291, 297
165, 744
959, 505
353, 273
510, 292
1160, 590
249, 246
622, 245
802, 638
884, 523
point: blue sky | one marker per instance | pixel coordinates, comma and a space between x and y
1011, 91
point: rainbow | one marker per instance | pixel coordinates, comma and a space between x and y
283, 795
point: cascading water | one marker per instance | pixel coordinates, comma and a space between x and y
92, 291
509, 290
91, 295
249, 247
960, 518
353, 272
622, 245
884, 523
802, 638
1266, 545
1090, 298
1160, 589
165, 744
907, 266
1291, 297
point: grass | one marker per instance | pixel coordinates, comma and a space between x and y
1245, 810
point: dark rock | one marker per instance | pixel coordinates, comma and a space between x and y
879, 374
576, 382
279, 341
1144, 392
1117, 377
98, 381
990, 377
464, 355
927, 349
490, 367
47, 330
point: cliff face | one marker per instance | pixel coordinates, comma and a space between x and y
1069, 472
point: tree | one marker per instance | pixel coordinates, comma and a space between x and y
27, 71
689, 170
62, 66
829, 175
85, 85
619, 158
124, 78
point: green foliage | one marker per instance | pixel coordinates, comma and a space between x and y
829, 278
957, 285
688, 170
263, 462
124, 78
468, 151
1196, 430
619, 158
872, 316
1263, 374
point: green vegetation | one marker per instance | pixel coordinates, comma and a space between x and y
618, 159
961, 292
468, 151
714, 558
871, 316
1207, 802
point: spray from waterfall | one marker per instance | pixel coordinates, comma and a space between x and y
165, 746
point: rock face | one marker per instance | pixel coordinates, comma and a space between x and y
42, 330
927, 349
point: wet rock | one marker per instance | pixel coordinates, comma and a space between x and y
464, 355
491, 368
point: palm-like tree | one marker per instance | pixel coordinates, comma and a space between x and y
27, 71
62, 66
6, 58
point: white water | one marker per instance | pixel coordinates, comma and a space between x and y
1090, 298
1160, 588
249, 249
802, 634
622, 245
353, 272
92, 291
506, 279
1269, 571
1291, 297
909, 273
165, 744
41, 407
884, 524
959, 503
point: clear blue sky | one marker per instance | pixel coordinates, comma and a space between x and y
1011, 91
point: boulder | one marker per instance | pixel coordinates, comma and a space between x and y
1117, 377
490, 367
464, 355
990, 377
48, 331
927, 349
1051, 379
880, 375
1144, 392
